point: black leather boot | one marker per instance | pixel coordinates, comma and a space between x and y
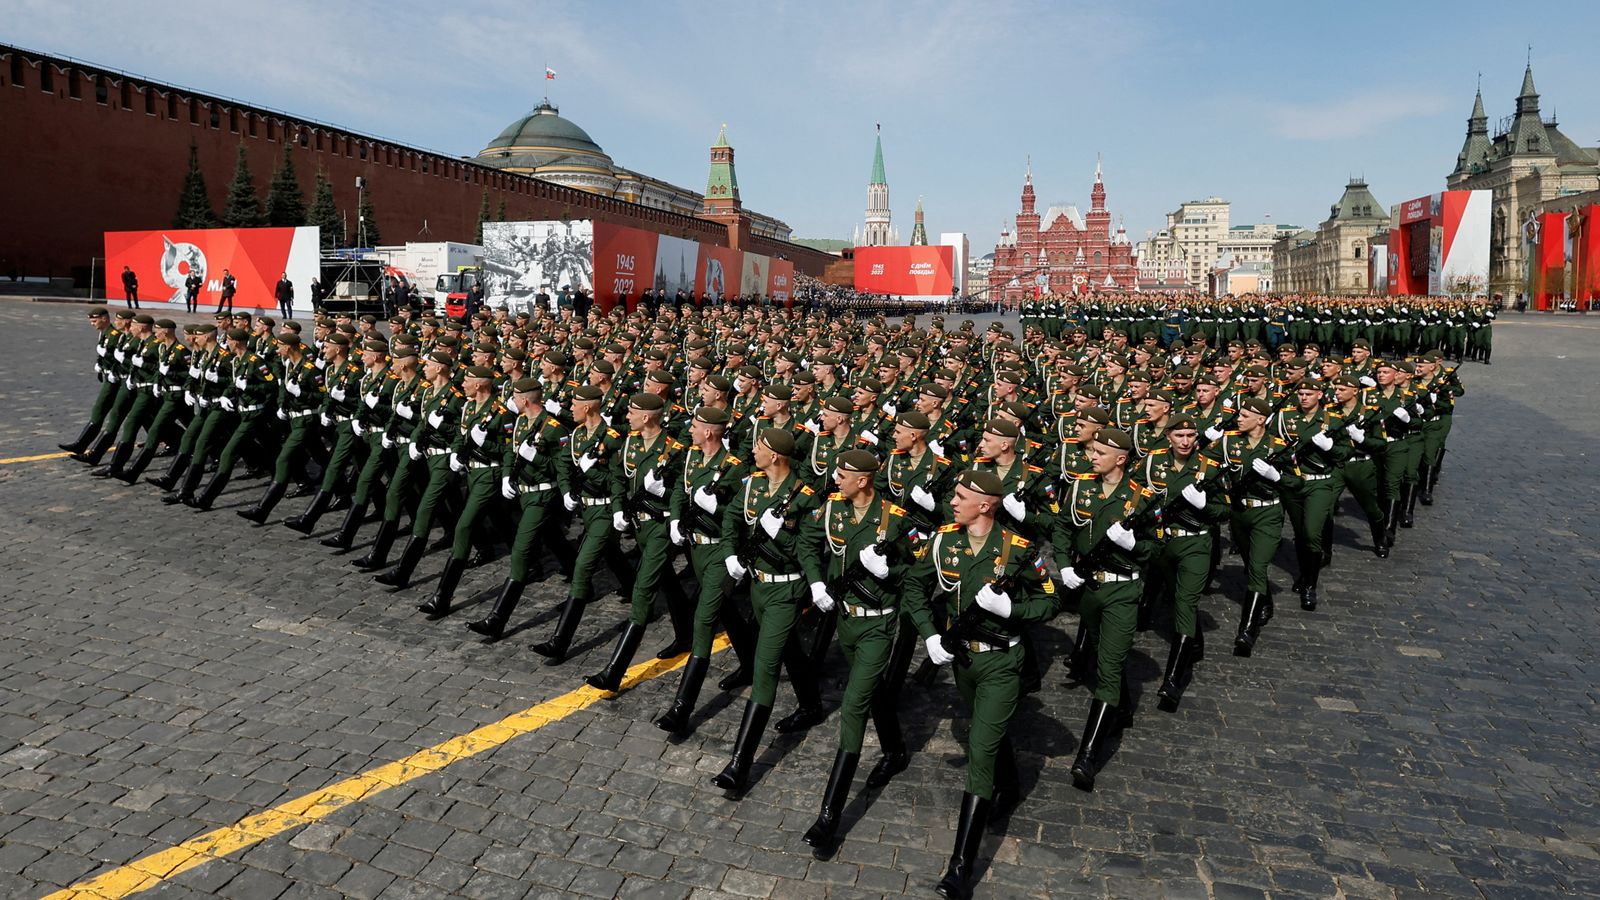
169, 479
1425, 482
886, 721
803, 678
1177, 673
438, 606
1380, 541
83, 440
1081, 661
494, 624
346, 535
822, 832
1408, 506
610, 678
957, 881
554, 650
1250, 623
676, 718
1308, 593
680, 610
1084, 766
1391, 521
307, 520
213, 490
735, 776
119, 460
130, 473
96, 450
378, 555
263, 508
185, 492
400, 576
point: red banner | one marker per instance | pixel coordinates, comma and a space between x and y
1586, 253
1547, 268
624, 264
780, 282
922, 271
256, 258
717, 272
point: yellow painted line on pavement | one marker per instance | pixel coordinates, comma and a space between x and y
22, 459
147, 872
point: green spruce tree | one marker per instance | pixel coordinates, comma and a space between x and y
243, 209
194, 203
483, 216
324, 213
365, 212
286, 206
500, 216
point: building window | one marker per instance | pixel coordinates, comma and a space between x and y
363, 151
47, 78
216, 117
127, 95
18, 74
149, 101
101, 94
304, 136
74, 85
194, 112
272, 129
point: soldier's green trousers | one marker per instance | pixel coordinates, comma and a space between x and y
294, 444
538, 511
166, 417
1310, 510
777, 607
712, 577
1256, 532
439, 478
990, 687
121, 403
345, 446
217, 427
1400, 465
1434, 433
1110, 613
598, 538
1184, 566
139, 414
867, 644
655, 554
246, 428
103, 402
483, 485
372, 468
1361, 480
407, 475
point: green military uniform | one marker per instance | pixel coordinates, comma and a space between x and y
173, 381
1311, 507
252, 390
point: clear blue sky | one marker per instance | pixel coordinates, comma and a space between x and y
1271, 106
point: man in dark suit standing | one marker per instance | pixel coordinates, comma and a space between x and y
191, 292
130, 287
285, 293
230, 286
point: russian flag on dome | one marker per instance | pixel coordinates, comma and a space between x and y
549, 74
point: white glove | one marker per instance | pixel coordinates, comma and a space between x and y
890, 409
355, 427
241, 383
813, 427
1402, 414
770, 523
1368, 381
165, 366
283, 415
1015, 507
120, 356
1195, 496
211, 375
371, 400
551, 406
675, 532
725, 444
874, 562
188, 397
478, 433
528, 450
921, 497
820, 598
455, 463
413, 452
325, 419
436, 418
387, 442
1322, 440
705, 500
1122, 535
1227, 403
511, 404
138, 362
506, 489
936, 447
1264, 469
569, 501
405, 410
226, 404
1213, 433
997, 602
293, 387
337, 393
1418, 408
736, 569
1433, 396
936, 651
321, 363
100, 350
870, 436
1071, 578
619, 522
1357, 434
585, 463
655, 484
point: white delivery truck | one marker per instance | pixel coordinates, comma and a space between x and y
422, 262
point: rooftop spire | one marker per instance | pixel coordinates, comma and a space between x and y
878, 177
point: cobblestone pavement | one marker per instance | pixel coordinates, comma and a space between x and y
1430, 730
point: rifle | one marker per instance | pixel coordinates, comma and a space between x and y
955, 637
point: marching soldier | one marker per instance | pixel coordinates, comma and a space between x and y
1317, 435
299, 396
437, 412
251, 389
